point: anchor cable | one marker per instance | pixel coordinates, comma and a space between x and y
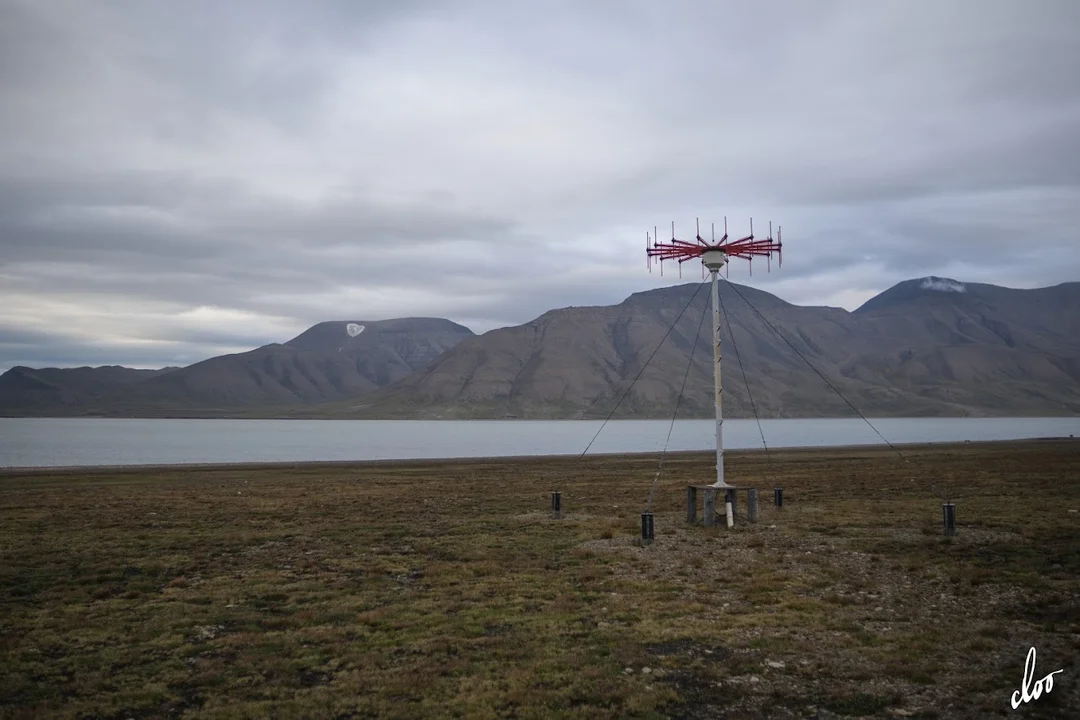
946, 496
642, 370
818, 372
678, 401
746, 381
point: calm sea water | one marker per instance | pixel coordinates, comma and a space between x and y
45, 442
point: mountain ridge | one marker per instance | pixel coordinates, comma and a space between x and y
324, 363
863, 354
925, 346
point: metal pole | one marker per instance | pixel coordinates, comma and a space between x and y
716, 376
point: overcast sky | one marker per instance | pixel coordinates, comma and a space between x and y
182, 180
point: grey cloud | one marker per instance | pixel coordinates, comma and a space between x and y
70, 355
58, 352
488, 162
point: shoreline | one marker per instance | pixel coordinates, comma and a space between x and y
6, 471
528, 419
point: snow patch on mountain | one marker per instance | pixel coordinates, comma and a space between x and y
942, 285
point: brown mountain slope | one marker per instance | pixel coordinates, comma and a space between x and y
330, 361
25, 389
984, 346
911, 351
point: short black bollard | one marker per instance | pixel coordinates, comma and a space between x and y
646, 527
556, 506
778, 497
948, 513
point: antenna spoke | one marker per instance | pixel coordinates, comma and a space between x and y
745, 248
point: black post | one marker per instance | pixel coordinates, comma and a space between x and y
556, 506
948, 512
778, 497
646, 527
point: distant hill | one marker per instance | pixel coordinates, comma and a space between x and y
995, 349
25, 390
925, 347
330, 361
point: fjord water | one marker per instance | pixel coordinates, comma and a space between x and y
58, 442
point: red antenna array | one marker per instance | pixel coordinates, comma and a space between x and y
681, 250
713, 255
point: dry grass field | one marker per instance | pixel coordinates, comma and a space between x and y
444, 589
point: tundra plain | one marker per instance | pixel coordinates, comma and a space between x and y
445, 589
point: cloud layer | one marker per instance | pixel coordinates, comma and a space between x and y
177, 183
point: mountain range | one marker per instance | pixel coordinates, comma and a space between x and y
330, 361
925, 347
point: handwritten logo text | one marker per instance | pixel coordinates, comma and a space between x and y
1027, 691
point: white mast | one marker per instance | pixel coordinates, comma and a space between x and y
713, 260
714, 256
